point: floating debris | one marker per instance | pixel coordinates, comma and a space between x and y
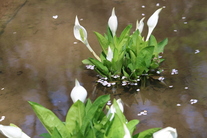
143, 6
161, 78
186, 88
2, 89
174, 71
75, 43
170, 86
138, 90
55, 16
142, 113
2, 118
178, 104
175, 30
185, 22
197, 51
158, 4
193, 101
143, 14
108, 103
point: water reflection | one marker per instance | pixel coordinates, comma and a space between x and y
40, 59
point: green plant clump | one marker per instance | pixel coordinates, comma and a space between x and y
127, 57
89, 121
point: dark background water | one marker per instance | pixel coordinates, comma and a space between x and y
40, 59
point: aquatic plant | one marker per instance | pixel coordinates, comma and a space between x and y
126, 58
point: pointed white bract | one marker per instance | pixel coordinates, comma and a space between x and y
112, 110
80, 32
167, 132
152, 22
12, 132
78, 92
140, 25
127, 132
110, 54
113, 22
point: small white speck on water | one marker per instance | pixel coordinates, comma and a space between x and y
185, 22
183, 17
143, 6
178, 104
2, 89
158, 4
143, 14
55, 16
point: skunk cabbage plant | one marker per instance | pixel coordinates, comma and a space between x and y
128, 59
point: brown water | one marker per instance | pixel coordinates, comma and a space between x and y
39, 62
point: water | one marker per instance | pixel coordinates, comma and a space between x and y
40, 59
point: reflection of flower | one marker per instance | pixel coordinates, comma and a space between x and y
80, 34
12, 132
113, 22
78, 92
109, 56
152, 22
140, 25
167, 132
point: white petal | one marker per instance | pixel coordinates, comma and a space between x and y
79, 31
140, 25
152, 22
113, 22
78, 92
109, 56
167, 132
11, 131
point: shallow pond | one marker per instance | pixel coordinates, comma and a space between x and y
40, 59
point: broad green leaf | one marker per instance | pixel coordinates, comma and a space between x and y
147, 133
45, 135
49, 119
99, 103
74, 118
125, 32
103, 42
152, 41
87, 62
131, 125
99, 65
160, 46
116, 129
88, 105
55, 133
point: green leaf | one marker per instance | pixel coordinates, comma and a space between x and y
103, 42
49, 119
99, 65
74, 118
45, 135
55, 133
160, 46
147, 133
87, 62
131, 125
98, 104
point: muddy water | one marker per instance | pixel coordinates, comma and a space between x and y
40, 59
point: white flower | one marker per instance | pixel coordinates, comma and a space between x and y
109, 56
78, 92
113, 22
140, 25
80, 32
167, 132
12, 132
112, 110
152, 22
127, 132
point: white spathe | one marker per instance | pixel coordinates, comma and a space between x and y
113, 22
78, 92
152, 22
80, 32
167, 132
12, 132
140, 25
112, 110
110, 54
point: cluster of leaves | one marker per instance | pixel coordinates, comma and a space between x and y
89, 121
132, 55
